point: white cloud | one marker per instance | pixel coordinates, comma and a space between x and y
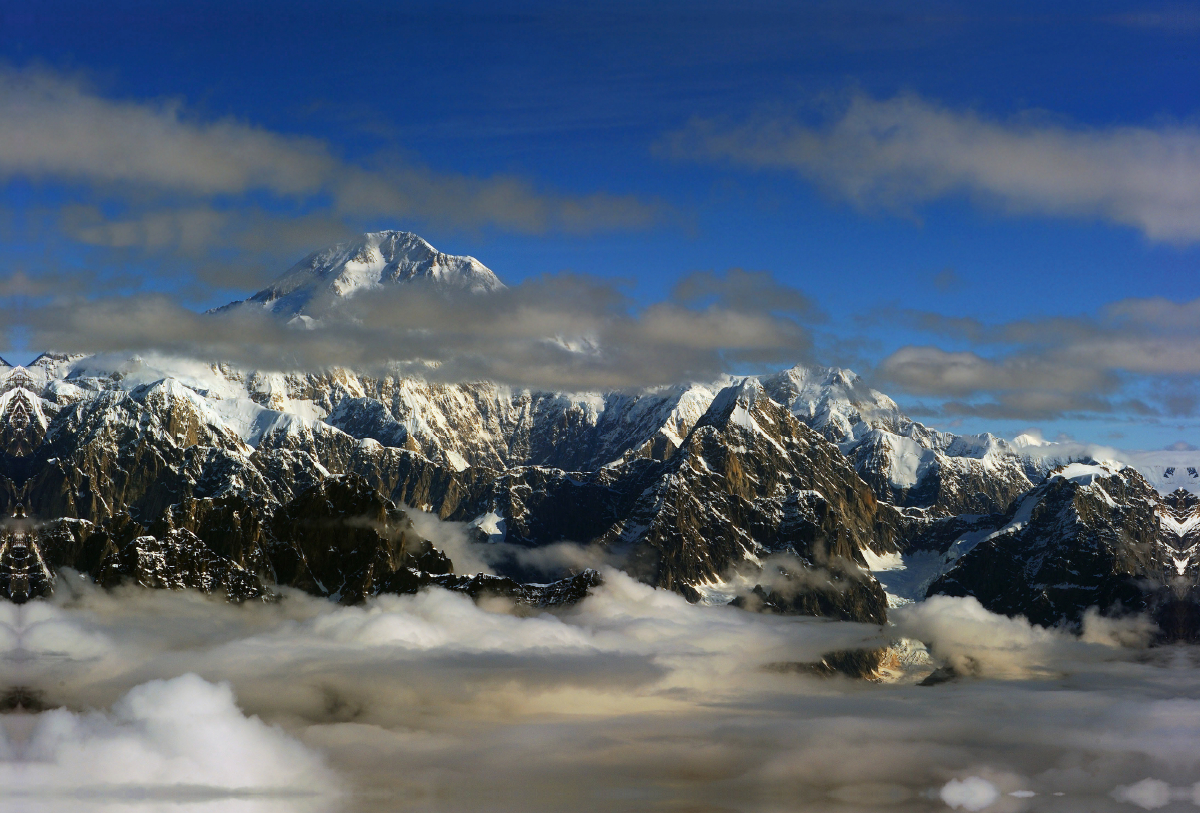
567, 332
976, 642
1135, 356
972, 793
634, 694
172, 182
1149, 794
901, 152
181, 741
55, 127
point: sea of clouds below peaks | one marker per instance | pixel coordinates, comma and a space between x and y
634, 699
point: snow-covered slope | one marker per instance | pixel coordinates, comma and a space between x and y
371, 261
835, 402
685, 481
1089, 536
905, 462
1167, 470
483, 424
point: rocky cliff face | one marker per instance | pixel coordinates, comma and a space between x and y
747, 481
1091, 536
807, 490
178, 481
175, 485
339, 539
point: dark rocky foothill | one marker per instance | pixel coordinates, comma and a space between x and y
835, 591
340, 539
861, 664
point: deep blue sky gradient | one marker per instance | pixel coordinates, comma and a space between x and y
580, 99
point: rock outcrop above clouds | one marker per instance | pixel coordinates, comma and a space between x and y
805, 491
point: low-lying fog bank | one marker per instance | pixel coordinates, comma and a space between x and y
632, 700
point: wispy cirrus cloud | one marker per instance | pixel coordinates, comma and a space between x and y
902, 152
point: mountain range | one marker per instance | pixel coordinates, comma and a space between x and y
803, 491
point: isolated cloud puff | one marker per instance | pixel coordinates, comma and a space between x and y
972, 793
182, 741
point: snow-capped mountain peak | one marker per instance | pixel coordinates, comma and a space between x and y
370, 261
834, 401
1030, 439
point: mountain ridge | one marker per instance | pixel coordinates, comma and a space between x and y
370, 261
698, 488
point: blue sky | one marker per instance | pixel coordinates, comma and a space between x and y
1003, 164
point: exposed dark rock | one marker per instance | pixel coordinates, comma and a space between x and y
844, 595
24, 573
1064, 547
748, 481
861, 664
21, 699
570, 590
342, 539
179, 560
229, 526
943, 674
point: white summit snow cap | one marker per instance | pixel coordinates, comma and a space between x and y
1086, 473
371, 261
1030, 439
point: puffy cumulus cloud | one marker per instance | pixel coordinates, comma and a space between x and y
634, 697
560, 332
1149, 794
1134, 356
972, 793
183, 738
150, 175
973, 641
901, 152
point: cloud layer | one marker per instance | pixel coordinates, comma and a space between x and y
899, 153
563, 332
1136, 356
176, 739
153, 176
634, 697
